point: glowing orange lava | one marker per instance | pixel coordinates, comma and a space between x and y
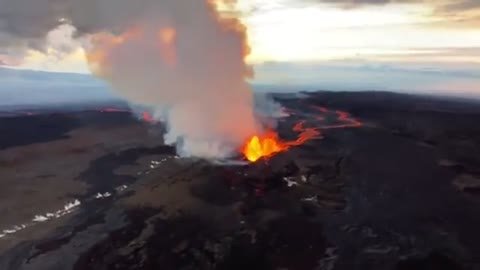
305, 134
264, 146
147, 117
267, 145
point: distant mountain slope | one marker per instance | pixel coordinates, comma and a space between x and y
28, 87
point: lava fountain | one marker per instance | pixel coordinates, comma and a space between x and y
263, 146
269, 144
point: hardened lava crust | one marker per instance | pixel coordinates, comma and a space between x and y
389, 182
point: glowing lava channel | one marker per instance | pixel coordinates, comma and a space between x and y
267, 145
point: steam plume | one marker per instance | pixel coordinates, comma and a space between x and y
186, 62
179, 57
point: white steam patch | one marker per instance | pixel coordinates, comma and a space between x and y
103, 195
121, 188
40, 218
266, 107
290, 181
67, 209
154, 164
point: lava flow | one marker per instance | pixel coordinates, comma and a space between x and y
267, 145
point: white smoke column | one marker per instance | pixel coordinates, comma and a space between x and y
182, 59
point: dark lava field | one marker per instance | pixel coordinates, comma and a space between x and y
392, 182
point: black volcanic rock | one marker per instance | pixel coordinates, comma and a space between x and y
25, 130
434, 261
268, 173
398, 193
279, 165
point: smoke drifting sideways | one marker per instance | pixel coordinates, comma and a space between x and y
183, 59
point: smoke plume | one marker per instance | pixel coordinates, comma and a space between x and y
179, 57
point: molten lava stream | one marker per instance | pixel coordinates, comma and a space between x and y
269, 144
349, 122
305, 134
342, 116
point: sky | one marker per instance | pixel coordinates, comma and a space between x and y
430, 46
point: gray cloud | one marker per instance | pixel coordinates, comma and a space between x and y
462, 5
443, 5
26, 23
357, 3
366, 2
460, 13
455, 13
